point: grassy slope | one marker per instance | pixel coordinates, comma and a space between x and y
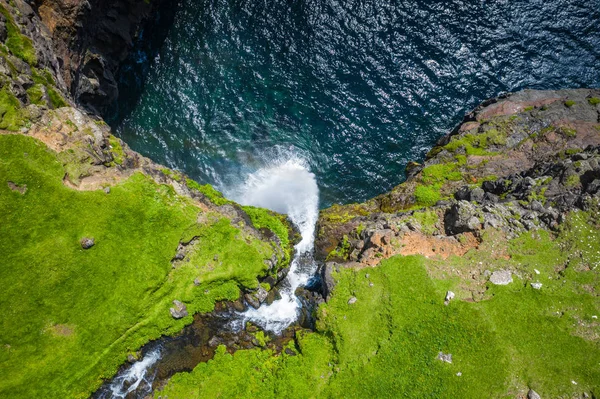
385, 345
69, 316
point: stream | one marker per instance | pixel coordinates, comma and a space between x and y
283, 184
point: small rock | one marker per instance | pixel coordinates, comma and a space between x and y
196, 281
536, 286
107, 190
214, 341
573, 382
179, 311
371, 284
533, 395
459, 374
594, 317
501, 277
252, 301
445, 357
290, 352
367, 275
450, 296
131, 358
352, 300
180, 255
536, 271
87, 243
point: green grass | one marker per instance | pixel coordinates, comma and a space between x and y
70, 316
264, 219
385, 345
11, 113
594, 100
209, 191
477, 144
18, 44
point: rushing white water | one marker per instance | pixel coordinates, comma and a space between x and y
130, 380
285, 186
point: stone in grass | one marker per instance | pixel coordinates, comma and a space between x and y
533, 395
449, 296
179, 311
87, 242
352, 300
536, 286
445, 357
501, 277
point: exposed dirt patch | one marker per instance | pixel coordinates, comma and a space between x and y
61, 330
15, 187
442, 246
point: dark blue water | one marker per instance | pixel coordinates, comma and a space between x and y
356, 88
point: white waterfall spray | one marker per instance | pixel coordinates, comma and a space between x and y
133, 379
288, 187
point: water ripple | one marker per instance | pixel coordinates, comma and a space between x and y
359, 86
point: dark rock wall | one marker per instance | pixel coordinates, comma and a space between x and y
91, 38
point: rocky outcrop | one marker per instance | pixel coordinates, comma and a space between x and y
515, 164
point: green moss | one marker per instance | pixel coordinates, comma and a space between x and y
10, 111
209, 192
113, 297
572, 181
172, 174
56, 99
116, 150
594, 100
476, 144
569, 103
342, 251
18, 44
427, 220
568, 132
360, 229
36, 94
427, 195
527, 109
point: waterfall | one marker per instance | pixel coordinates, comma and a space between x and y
133, 379
285, 186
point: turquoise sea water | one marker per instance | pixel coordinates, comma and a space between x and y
354, 88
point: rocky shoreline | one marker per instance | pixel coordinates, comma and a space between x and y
516, 163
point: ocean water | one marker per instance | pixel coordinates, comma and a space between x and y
355, 89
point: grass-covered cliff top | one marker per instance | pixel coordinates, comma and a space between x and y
386, 344
70, 316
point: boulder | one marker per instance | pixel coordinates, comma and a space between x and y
462, 217
501, 277
87, 242
179, 310
352, 300
533, 395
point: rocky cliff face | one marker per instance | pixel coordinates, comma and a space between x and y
516, 163
90, 40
